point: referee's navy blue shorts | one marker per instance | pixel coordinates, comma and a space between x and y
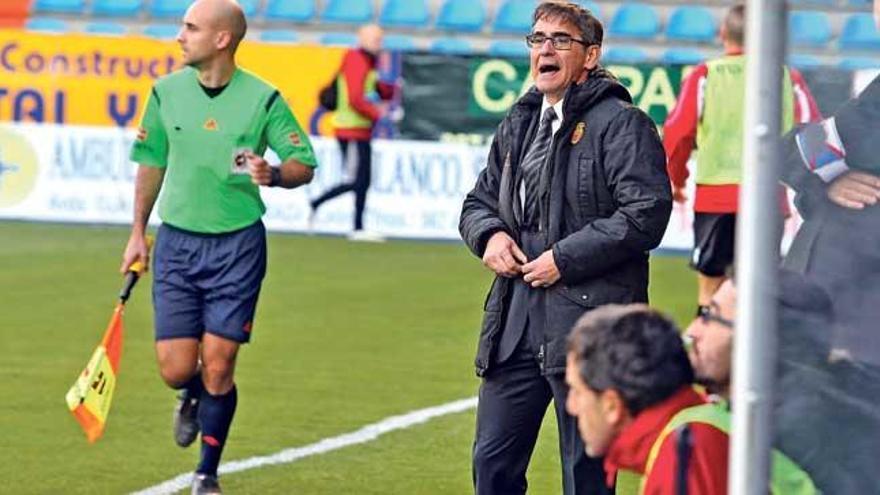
207, 282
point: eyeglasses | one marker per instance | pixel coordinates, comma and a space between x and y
709, 314
559, 41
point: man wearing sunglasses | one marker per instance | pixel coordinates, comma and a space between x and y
573, 196
817, 425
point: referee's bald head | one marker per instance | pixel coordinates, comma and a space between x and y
224, 15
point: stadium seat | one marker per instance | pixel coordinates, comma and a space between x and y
398, 43
348, 40
684, 56
691, 23
111, 28
508, 48
856, 63
168, 8
59, 6
592, 6
162, 31
117, 8
625, 55
462, 15
635, 20
290, 10
514, 16
47, 25
249, 7
860, 33
348, 11
404, 13
809, 28
451, 46
279, 36
802, 61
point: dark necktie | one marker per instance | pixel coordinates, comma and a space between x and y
533, 165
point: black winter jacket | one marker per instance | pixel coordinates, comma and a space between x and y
605, 199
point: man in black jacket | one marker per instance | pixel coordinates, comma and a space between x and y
574, 195
834, 166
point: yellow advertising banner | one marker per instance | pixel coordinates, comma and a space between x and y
104, 81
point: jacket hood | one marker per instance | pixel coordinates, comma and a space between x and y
600, 85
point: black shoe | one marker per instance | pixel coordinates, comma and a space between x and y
186, 421
205, 484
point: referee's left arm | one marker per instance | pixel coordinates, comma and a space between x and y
287, 139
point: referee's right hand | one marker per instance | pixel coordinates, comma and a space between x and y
136, 250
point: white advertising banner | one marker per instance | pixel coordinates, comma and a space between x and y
82, 174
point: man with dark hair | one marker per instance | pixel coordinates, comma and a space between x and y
804, 322
630, 389
709, 116
573, 196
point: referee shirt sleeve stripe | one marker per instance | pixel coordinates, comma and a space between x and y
272, 99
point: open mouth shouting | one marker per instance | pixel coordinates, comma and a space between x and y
548, 70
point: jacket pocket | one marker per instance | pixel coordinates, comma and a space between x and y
597, 293
587, 187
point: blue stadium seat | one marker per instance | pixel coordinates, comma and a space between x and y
348, 40
691, 23
404, 13
625, 55
684, 56
592, 6
46, 25
859, 32
249, 7
111, 28
802, 61
462, 15
856, 63
398, 43
635, 20
508, 48
117, 8
809, 28
290, 10
860, 3
348, 11
514, 16
168, 8
162, 31
59, 6
279, 36
451, 46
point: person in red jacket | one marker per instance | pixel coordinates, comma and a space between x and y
360, 104
629, 376
708, 116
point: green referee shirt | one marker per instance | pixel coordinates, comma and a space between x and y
199, 141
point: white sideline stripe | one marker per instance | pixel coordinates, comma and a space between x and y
365, 434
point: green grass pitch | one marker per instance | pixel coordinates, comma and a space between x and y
346, 334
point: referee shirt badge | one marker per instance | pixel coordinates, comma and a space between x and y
141, 134
578, 132
210, 125
294, 138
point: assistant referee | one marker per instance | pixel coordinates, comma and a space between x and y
202, 137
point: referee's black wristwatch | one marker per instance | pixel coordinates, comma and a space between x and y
275, 181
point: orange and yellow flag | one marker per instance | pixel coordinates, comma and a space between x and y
89, 399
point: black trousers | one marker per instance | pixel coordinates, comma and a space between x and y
360, 183
513, 400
